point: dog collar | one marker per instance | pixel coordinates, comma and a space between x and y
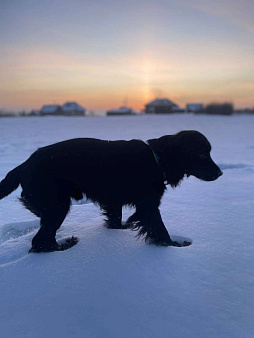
157, 159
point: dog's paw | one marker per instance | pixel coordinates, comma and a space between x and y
180, 241
179, 245
161, 242
35, 249
68, 243
169, 242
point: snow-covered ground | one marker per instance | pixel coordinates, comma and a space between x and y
111, 284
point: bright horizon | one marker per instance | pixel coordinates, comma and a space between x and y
99, 53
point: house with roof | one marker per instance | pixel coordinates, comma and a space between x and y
73, 108
194, 107
51, 109
161, 106
121, 111
69, 108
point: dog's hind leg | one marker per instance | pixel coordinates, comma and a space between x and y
51, 220
113, 216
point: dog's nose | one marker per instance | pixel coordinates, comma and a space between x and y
220, 173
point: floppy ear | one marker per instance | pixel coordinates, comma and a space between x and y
164, 145
159, 145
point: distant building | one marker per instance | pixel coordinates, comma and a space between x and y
219, 108
194, 108
160, 106
52, 109
69, 108
121, 111
72, 108
178, 110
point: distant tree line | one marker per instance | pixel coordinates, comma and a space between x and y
223, 109
219, 108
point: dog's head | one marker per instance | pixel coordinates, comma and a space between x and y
186, 153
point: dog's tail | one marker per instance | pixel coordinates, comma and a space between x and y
10, 182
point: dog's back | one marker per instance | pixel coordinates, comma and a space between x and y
100, 169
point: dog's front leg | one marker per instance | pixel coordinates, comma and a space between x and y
150, 224
152, 227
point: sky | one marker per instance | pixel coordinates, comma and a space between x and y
101, 53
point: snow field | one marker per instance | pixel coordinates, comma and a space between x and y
111, 284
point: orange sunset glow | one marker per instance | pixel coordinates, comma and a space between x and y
98, 54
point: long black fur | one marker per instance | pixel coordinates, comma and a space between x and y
111, 174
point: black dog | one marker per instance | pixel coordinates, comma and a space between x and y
111, 174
